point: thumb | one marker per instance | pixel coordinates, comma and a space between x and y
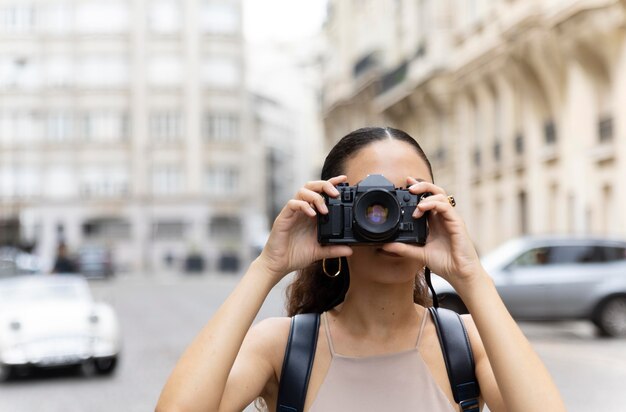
329, 252
406, 250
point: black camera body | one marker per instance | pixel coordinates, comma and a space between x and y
372, 212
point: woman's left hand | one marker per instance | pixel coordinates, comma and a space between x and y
449, 251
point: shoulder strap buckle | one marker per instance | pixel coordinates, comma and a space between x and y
470, 405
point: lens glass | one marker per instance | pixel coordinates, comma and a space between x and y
377, 214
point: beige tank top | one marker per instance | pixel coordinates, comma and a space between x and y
394, 382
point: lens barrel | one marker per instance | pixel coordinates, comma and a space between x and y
376, 215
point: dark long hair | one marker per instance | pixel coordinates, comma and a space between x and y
312, 291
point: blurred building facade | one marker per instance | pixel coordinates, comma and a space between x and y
125, 123
519, 104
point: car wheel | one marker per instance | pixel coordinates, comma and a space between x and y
106, 366
6, 372
611, 317
87, 368
454, 303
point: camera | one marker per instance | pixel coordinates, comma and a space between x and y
372, 212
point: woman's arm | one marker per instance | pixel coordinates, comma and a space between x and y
216, 363
523, 381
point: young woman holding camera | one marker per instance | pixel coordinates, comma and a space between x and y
377, 347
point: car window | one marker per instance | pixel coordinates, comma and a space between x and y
611, 254
573, 254
559, 255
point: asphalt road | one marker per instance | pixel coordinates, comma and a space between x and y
160, 316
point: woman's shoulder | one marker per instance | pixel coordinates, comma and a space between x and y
269, 337
474, 337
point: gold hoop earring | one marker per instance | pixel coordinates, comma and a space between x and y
326, 272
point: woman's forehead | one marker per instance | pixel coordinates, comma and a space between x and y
392, 158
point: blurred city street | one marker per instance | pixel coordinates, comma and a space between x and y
161, 314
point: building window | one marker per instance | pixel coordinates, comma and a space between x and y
58, 17
221, 73
220, 127
168, 229
106, 229
219, 18
102, 17
18, 128
166, 126
167, 180
164, 16
605, 129
519, 144
19, 72
549, 132
103, 71
21, 181
165, 71
17, 18
477, 157
103, 182
60, 126
497, 150
59, 72
222, 180
105, 126
225, 227
522, 207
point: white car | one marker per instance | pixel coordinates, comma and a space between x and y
557, 278
51, 321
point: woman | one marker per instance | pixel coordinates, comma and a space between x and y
378, 326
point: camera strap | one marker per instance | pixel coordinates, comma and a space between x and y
298, 361
457, 352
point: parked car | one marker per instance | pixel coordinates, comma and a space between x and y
51, 321
94, 261
557, 278
14, 261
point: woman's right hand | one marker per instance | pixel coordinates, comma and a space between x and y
292, 243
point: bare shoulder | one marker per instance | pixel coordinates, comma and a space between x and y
269, 337
474, 337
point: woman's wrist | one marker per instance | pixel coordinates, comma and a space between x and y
263, 269
473, 286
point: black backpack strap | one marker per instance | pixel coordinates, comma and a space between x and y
299, 355
457, 354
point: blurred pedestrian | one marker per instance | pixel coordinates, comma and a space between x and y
377, 348
64, 263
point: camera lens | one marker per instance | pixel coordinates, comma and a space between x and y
376, 215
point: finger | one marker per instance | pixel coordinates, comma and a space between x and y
295, 205
405, 250
335, 251
314, 198
439, 204
326, 186
423, 187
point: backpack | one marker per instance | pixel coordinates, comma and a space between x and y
455, 345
